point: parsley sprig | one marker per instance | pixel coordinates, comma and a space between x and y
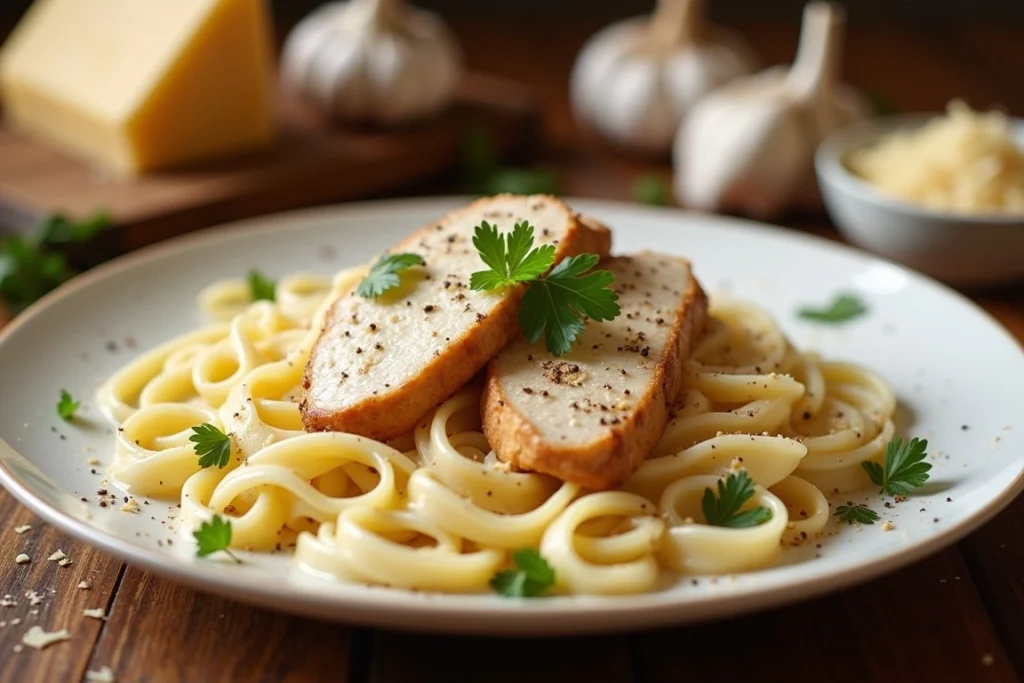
904, 467
842, 308
261, 287
214, 536
531, 578
67, 406
384, 274
511, 258
724, 509
555, 305
211, 445
856, 514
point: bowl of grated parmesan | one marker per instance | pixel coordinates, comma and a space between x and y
942, 193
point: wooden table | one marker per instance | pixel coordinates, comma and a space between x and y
957, 616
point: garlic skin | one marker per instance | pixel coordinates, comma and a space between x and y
749, 147
378, 61
633, 80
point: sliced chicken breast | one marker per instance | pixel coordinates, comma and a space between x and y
592, 415
380, 364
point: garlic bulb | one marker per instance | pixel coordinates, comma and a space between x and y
750, 146
372, 60
633, 80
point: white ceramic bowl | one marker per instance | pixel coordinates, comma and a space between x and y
962, 249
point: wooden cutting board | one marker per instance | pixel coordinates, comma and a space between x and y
312, 163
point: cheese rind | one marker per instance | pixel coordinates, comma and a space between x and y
137, 86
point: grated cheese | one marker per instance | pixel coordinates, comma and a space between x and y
38, 638
22, 529
57, 556
104, 675
964, 162
22, 559
96, 613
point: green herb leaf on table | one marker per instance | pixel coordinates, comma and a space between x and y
843, 308
524, 181
556, 305
724, 509
211, 445
67, 406
31, 267
511, 258
531, 578
384, 274
214, 536
261, 288
651, 189
856, 514
59, 229
483, 173
904, 467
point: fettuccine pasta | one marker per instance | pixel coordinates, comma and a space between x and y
435, 510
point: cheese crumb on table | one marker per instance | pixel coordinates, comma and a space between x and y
22, 559
96, 613
130, 506
8, 601
34, 598
104, 675
38, 638
84, 585
65, 561
57, 556
22, 529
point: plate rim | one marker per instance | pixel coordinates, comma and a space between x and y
393, 609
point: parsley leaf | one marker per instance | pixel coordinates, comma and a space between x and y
904, 467
531, 578
384, 274
511, 258
67, 406
31, 266
211, 445
844, 307
856, 514
556, 305
724, 509
651, 189
214, 536
261, 287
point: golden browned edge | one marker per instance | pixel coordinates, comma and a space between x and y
386, 416
609, 461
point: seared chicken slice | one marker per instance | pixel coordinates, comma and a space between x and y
592, 415
380, 364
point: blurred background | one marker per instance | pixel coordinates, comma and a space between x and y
723, 10
509, 121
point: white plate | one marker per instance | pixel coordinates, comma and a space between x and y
950, 364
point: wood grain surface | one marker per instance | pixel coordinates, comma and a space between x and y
956, 616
